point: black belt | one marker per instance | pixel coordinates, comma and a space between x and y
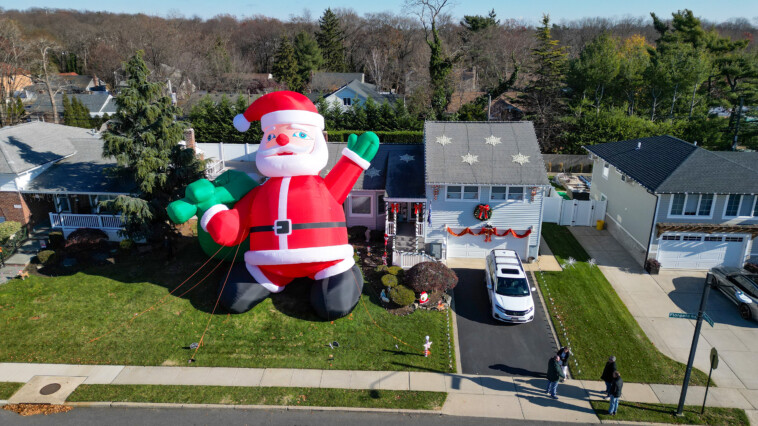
285, 227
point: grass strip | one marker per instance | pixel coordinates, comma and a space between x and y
597, 324
240, 395
7, 389
49, 319
666, 413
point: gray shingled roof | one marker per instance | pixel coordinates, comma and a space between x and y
94, 102
331, 81
367, 90
29, 145
400, 179
494, 164
665, 164
84, 172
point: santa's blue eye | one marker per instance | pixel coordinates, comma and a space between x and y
301, 135
271, 136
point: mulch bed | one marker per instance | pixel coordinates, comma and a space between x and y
35, 409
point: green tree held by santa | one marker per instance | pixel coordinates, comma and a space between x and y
144, 138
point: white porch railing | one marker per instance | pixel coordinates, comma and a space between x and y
214, 169
96, 221
407, 260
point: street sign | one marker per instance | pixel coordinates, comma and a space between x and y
682, 315
714, 358
708, 319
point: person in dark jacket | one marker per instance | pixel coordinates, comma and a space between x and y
615, 393
564, 353
554, 374
607, 376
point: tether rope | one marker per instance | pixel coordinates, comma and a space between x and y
158, 303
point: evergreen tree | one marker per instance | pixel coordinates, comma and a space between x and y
308, 56
330, 39
144, 139
285, 69
544, 94
477, 22
633, 60
386, 118
596, 67
68, 113
440, 65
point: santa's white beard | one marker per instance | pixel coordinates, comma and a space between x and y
294, 165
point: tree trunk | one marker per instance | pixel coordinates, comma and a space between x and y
692, 101
673, 101
47, 83
655, 104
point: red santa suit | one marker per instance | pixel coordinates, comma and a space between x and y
296, 225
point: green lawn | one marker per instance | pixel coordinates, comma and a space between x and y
9, 388
597, 323
237, 395
53, 319
665, 413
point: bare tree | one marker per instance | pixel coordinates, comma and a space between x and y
43, 49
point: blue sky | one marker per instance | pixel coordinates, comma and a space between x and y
530, 11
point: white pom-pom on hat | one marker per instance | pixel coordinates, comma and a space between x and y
241, 123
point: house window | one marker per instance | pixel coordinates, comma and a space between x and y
516, 193
714, 239
380, 206
470, 192
733, 239
690, 238
360, 205
498, 193
457, 192
733, 205
670, 238
606, 168
691, 205
62, 204
347, 101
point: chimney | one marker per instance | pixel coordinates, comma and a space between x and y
639, 145
189, 138
96, 80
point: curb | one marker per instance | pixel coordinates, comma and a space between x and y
246, 407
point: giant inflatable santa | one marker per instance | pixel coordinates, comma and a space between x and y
295, 219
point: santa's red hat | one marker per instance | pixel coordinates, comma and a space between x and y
283, 107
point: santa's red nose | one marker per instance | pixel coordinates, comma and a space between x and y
282, 139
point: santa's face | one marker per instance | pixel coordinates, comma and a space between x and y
291, 150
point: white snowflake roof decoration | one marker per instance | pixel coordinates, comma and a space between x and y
470, 158
373, 172
492, 140
592, 262
520, 158
406, 158
444, 140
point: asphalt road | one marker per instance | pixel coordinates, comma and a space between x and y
230, 417
491, 347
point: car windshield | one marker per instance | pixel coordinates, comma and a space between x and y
512, 286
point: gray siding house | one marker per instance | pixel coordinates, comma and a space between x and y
669, 200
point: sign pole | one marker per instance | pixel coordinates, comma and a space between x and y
695, 338
714, 365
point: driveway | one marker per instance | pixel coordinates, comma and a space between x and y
650, 299
490, 347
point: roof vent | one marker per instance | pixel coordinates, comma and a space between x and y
639, 145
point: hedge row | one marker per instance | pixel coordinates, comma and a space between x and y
389, 136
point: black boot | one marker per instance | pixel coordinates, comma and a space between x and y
334, 297
240, 293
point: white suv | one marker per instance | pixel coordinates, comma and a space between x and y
507, 287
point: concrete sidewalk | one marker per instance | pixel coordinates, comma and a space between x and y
476, 396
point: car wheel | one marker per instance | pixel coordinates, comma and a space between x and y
745, 311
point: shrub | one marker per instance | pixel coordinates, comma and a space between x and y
395, 270
7, 229
85, 240
46, 257
357, 232
126, 245
431, 277
56, 240
381, 268
389, 280
377, 235
402, 295
387, 136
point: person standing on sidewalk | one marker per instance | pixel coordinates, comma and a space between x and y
615, 393
607, 376
554, 374
564, 354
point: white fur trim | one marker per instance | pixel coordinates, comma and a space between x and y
292, 116
283, 195
356, 158
337, 269
241, 123
210, 213
261, 279
301, 255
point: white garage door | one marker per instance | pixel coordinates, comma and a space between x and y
474, 246
701, 251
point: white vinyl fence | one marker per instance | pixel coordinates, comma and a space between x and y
573, 212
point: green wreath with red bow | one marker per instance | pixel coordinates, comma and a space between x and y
483, 212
